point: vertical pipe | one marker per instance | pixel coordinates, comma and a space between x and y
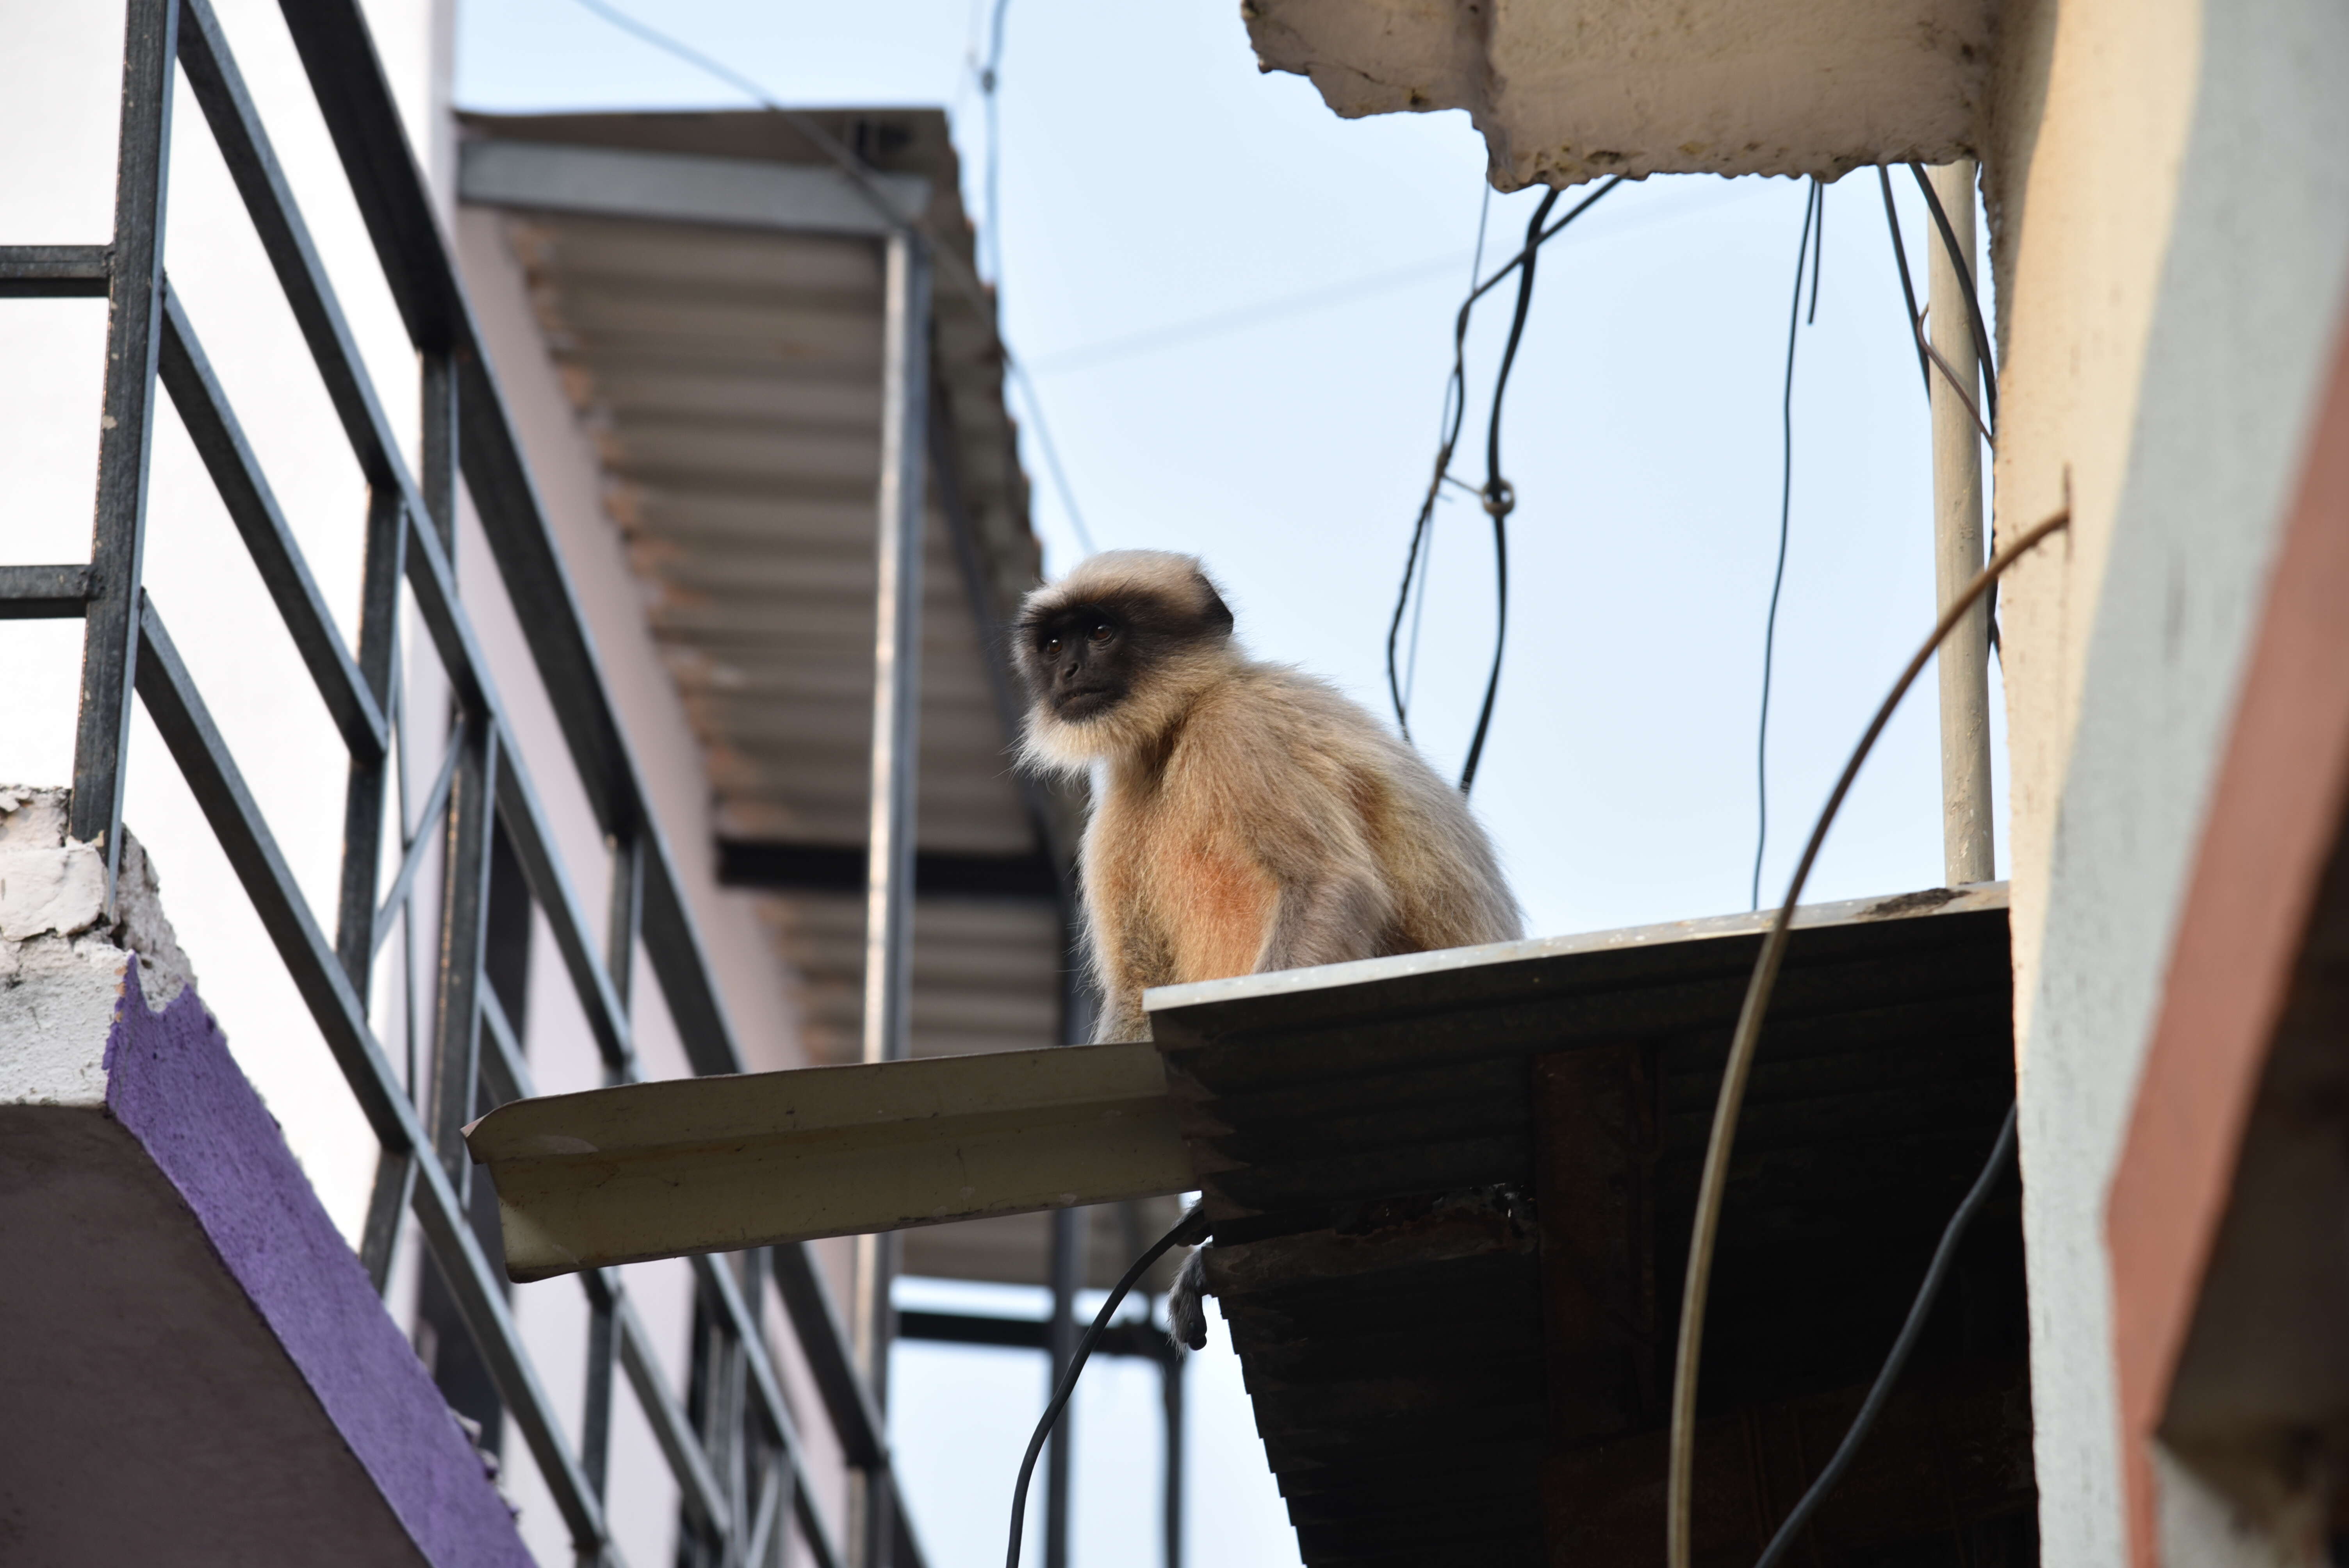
624, 915
1171, 1394
1060, 1342
119, 535
1964, 665
603, 1351
464, 935
889, 865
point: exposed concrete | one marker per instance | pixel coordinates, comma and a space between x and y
197, 1369
62, 961
1570, 90
2171, 238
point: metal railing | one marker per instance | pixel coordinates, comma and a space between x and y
736, 1455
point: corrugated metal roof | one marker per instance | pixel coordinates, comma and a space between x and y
729, 374
1453, 1192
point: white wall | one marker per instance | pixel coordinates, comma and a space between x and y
2127, 640
59, 82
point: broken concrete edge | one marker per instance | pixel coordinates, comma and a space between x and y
57, 939
1563, 95
102, 1016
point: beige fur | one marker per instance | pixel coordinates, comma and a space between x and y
1248, 818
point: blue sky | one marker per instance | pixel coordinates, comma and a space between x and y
1156, 186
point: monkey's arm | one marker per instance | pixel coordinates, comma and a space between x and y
1328, 917
1113, 953
1333, 902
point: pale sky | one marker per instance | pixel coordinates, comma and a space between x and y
1152, 179
1155, 188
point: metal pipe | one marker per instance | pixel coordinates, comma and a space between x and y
1060, 1342
110, 629
896, 703
1964, 665
1170, 1388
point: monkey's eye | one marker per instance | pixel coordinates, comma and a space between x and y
1052, 646
1099, 632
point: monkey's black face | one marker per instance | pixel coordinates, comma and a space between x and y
1080, 660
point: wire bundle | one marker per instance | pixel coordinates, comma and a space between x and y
1498, 498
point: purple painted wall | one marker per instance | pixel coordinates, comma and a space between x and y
172, 1084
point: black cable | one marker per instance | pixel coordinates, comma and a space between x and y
1500, 500
1965, 268
1918, 1311
1819, 246
1456, 393
1907, 289
1192, 1227
1803, 252
1417, 596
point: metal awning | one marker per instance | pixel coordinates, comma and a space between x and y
710, 288
1452, 1194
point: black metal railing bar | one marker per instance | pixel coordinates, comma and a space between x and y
732, 1489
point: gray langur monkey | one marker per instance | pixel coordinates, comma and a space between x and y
1246, 816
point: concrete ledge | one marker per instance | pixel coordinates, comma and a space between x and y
1570, 90
194, 1368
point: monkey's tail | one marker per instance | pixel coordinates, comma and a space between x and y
1187, 1310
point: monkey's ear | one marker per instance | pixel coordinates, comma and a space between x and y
1214, 612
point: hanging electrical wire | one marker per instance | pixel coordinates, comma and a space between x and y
1930, 358
959, 273
1190, 1229
1455, 414
1807, 252
1417, 590
1704, 1227
1975, 321
1500, 499
1907, 289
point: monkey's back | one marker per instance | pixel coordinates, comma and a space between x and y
1326, 778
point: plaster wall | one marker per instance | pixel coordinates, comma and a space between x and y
59, 82
755, 987
2171, 243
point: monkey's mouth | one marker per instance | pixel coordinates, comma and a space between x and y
1088, 702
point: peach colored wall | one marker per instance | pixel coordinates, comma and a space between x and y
2170, 231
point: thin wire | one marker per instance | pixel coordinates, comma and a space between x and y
1964, 265
1217, 324
1456, 406
1189, 1228
1907, 289
1897, 1359
1052, 455
989, 77
1742, 1046
1417, 591
1926, 353
957, 272
1819, 246
1811, 210
1500, 499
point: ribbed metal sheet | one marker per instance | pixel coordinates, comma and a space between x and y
1371, 1140
730, 378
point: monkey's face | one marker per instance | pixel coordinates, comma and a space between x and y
1121, 635
1080, 660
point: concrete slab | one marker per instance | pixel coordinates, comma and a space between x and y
194, 1368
